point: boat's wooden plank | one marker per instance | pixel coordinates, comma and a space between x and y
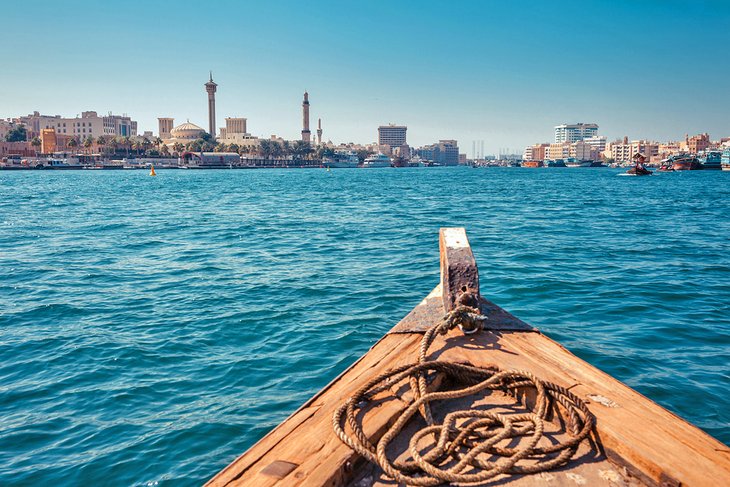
312, 441
267, 443
642, 435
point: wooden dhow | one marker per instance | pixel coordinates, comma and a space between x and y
631, 440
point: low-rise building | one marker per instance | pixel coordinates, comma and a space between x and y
536, 152
623, 151
557, 150
89, 124
446, 153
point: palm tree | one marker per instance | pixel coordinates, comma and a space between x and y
137, 145
88, 142
114, 143
72, 142
178, 147
127, 143
101, 142
164, 150
158, 142
36, 142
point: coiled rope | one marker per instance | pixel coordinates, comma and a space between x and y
463, 446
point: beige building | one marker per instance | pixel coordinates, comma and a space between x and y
624, 151
535, 152
184, 134
558, 150
165, 126
235, 133
89, 124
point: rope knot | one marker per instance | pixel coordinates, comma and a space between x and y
467, 318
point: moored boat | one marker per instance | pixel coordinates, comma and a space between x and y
377, 160
532, 164
711, 159
505, 404
725, 160
348, 159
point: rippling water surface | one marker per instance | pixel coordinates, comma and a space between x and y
151, 329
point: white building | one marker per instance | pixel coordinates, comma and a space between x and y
598, 142
575, 132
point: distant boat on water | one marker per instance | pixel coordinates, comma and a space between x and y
725, 160
711, 159
377, 160
342, 160
533, 164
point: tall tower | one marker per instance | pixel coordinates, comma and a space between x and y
319, 131
210, 87
306, 134
165, 126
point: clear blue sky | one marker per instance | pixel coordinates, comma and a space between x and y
502, 71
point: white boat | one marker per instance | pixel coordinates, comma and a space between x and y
575, 163
342, 160
725, 160
377, 160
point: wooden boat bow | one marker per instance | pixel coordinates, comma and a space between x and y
635, 441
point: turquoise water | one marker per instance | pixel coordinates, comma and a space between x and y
151, 329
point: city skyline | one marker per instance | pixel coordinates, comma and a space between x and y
508, 80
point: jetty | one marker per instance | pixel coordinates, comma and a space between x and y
462, 392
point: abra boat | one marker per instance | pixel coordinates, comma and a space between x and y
377, 160
509, 405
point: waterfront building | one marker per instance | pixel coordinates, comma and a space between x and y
558, 150
535, 152
235, 133
392, 135
210, 88
184, 133
582, 151
446, 153
306, 134
598, 142
22, 149
49, 143
623, 151
89, 124
575, 132
696, 143
462, 159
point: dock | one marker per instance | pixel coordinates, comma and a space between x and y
633, 441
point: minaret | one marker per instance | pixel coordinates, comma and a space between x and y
210, 87
319, 131
306, 134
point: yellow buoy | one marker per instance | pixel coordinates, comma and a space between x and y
152, 171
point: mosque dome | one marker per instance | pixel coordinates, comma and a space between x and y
187, 131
